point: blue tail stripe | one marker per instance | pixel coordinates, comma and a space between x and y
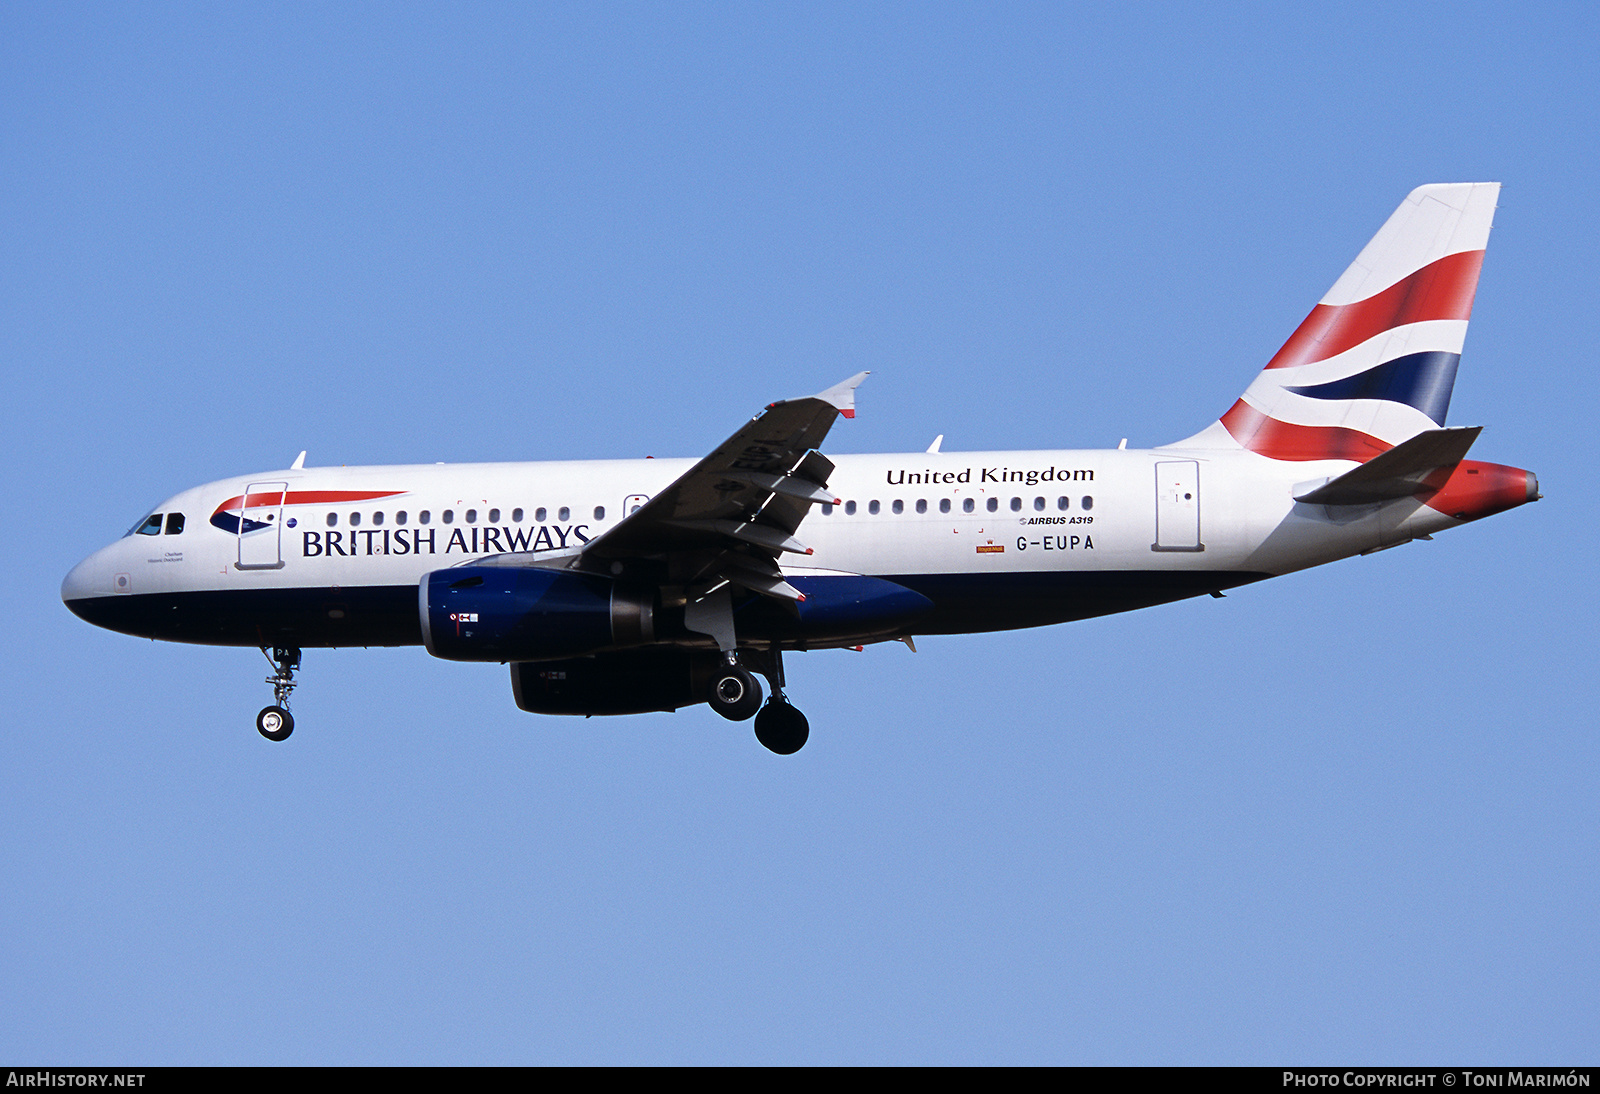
1422, 380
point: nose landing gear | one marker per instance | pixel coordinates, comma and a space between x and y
275, 723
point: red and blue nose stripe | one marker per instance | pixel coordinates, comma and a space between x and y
229, 514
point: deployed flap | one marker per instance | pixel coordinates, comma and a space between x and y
758, 575
745, 500
1419, 465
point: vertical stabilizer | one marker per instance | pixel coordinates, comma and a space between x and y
1374, 363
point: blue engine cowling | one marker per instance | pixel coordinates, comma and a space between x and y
510, 613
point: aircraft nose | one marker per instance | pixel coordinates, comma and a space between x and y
87, 581
75, 586
101, 590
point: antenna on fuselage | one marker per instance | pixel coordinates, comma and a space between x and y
299, 463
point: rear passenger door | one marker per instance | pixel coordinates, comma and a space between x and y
1178, 506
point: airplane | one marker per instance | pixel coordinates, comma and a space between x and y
626, 586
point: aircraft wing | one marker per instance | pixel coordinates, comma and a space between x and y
733, 514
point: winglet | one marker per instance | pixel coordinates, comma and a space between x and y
843, 396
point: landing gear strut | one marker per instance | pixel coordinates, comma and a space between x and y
275, 723
779, 727
734, 693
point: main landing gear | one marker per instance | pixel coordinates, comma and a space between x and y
782, 728
736, 696
275, 723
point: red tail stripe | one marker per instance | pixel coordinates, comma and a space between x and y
304, 497
1440, 290
1282, 441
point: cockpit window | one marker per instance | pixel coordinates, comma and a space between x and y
174, 523
151, 525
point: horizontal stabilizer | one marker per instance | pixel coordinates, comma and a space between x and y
1418, 466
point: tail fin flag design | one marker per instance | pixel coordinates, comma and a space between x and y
1374, 363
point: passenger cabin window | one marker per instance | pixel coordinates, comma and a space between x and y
151, 525
922, 505
898, 506
494, 516
174, 523
564, 514
1016, 505
1062, 503
377, 518
944, 505
355, 519
516, 516
448, 516
539, 514
333, 520
872, 506
849, 508
472, 516
968, 505
994, 505
599, 512
827, 508
400, 517
1088, 503
424, 517
1038, 505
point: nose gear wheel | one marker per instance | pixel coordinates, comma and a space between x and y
275, 723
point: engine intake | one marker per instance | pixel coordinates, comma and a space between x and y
508, 613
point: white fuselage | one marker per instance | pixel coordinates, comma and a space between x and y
963, 517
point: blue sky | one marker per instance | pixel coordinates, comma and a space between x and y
1345, 815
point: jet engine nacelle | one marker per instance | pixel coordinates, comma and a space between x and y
624, 682
513, 613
